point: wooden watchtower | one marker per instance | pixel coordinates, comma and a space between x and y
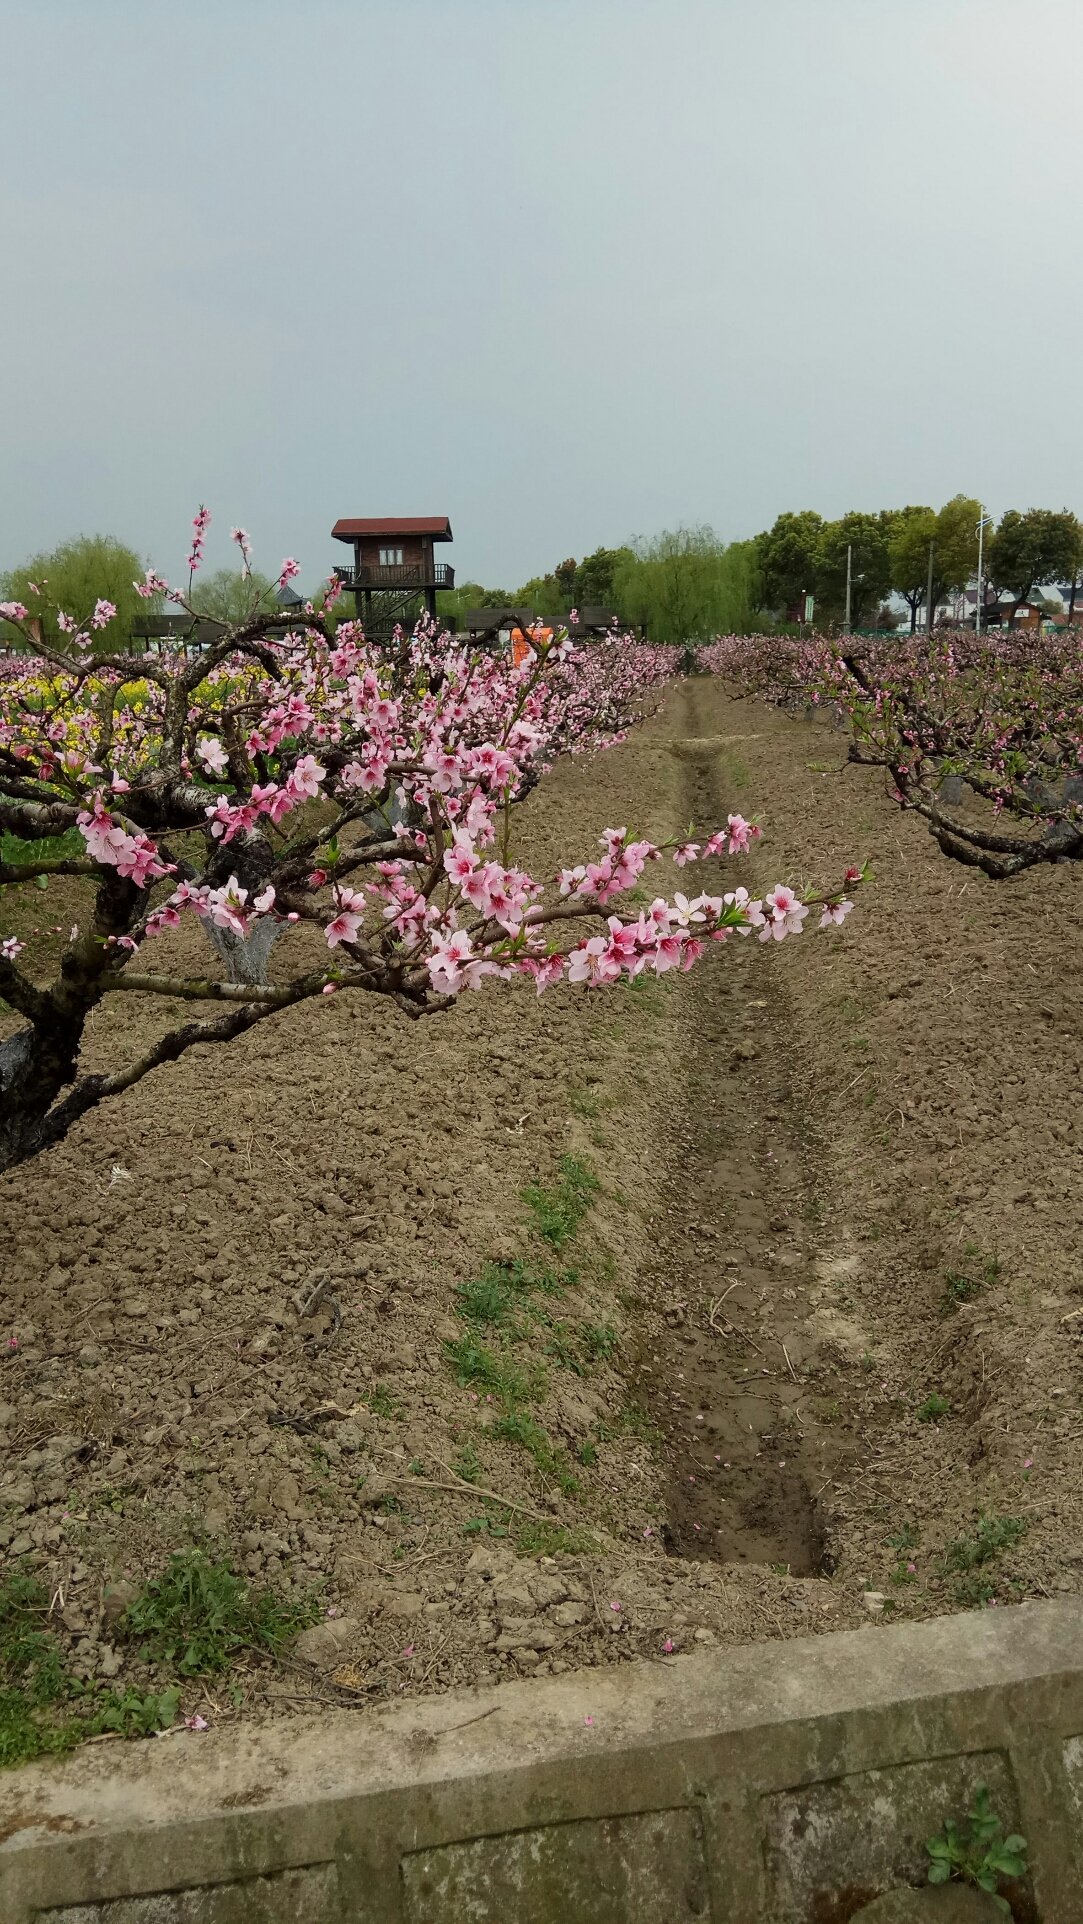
393, 558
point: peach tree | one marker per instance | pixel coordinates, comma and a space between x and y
293, 779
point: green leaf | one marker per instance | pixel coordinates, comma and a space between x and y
1010, 1862
939, 1872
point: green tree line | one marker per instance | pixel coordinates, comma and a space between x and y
892, 552
683, 585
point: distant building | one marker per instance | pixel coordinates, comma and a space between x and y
170, 631
485, 624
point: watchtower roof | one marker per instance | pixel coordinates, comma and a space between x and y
352, 529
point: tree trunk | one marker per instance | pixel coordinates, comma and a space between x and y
35, 1065
246, 957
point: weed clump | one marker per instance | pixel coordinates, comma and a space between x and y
199, 1615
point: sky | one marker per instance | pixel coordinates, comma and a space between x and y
569, 271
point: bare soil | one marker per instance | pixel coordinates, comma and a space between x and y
819, 1318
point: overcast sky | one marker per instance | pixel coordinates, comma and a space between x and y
569, 271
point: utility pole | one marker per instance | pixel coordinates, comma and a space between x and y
849, 577
929, 592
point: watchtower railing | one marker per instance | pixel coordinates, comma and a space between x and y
413, 574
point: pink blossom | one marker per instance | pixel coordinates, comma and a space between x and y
10, 947
834, 913
14, 611
151, 585
545, 973
460, 860
304, 782
289, 569
344, 928
593, 962
213, 756
103, 613
786, 916
740, 834
199, 526
196, 1723
227, 907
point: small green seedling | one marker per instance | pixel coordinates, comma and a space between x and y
467, 1464
962, 1285
933, 1408
977, 1852
484, 1526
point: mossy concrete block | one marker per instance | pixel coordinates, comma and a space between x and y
648, 1867
786, 1783
951, 1904
308, 1896
863, 1835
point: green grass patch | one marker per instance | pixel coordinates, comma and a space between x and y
502, 1288
632, 1420
971, 1558
199, 1615
554, 1540
516, 1426
382, 1403
600, 1340
558, 1211
561, 1346
479, 1368
583, 1102
50, 848
44, 1709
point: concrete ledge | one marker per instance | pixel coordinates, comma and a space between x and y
778, 1784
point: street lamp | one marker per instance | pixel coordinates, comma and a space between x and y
986, 521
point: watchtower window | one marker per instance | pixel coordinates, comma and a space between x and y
391, 557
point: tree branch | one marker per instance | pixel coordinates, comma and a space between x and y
16, 872
20, 992
203, 989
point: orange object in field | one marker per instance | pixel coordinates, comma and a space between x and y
521, 647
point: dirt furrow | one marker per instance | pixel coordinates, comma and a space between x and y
731, 1364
